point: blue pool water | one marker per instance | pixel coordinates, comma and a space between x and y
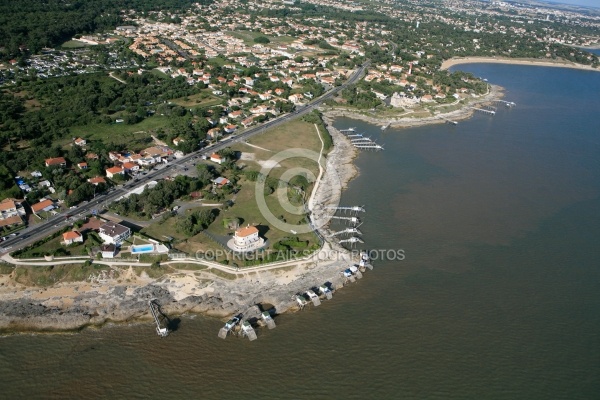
145, 248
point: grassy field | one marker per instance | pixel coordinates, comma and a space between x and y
50, 275
222, 274
200, 99
188, 267
6, 268
248, 37
154, 272
295, 134
74, 44
160, 229
30, 104
51, 245
132, 135
159, 73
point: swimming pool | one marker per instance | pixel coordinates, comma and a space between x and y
144, 248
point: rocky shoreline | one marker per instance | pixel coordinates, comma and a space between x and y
75, 305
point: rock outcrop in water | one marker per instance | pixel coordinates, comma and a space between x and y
97, 305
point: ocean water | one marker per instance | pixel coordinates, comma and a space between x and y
498, 296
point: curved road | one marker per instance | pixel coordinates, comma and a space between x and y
44, 229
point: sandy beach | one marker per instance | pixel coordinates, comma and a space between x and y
516, 61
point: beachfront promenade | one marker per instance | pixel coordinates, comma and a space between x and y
325, 253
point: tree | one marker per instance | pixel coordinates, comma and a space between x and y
262, 40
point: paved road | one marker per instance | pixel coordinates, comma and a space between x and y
100, 202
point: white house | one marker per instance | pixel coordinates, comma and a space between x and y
230, 128
58, 161
131, 167
111, 172
11, 208
296, 98
108, 250
149, 160
42, 205
214, 157
220, 181
72, 237
246, 239
113, 233
11, 213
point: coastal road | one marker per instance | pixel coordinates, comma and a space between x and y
100, 202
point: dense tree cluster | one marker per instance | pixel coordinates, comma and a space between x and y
8, 187
159, 198
78, 101
195, 222
27, 26
360, 98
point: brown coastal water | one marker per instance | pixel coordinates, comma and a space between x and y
498, 297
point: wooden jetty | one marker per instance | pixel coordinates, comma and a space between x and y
160, 319
449, 121
508, 104
368, 146
352, 220
352, 240
491, 112
353, 209
347, 231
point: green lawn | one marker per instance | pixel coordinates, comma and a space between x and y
188, 266
222, 274
122, 133
246, 209
159, 229
295, 134
199, 99
6, 268
248, 37
159, 73
51, 245
74, 44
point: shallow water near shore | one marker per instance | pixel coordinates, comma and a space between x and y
498, 297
